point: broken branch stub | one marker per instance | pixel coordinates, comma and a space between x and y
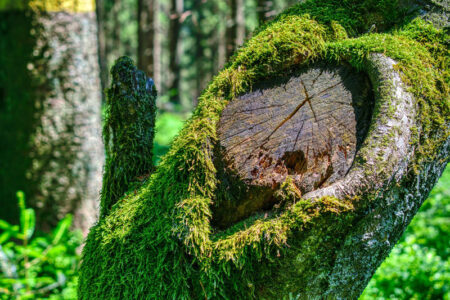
128, 131
307, 126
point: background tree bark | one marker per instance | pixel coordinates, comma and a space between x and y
264, 10
101, 38
148, 42
235, 26
175, 49
61, 142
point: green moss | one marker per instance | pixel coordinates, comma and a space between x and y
128, 131
159, 242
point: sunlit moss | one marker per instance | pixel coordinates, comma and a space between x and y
128, 131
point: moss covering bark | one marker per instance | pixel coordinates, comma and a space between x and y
128, 131
158, 242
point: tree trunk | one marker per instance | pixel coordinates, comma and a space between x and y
235, 26
175, 50
147, 43
298, 172
53, 146
221, 49
116, 43
131, 110
101, 38
264, 10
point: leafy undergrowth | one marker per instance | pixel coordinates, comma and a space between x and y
38, 266
167, 127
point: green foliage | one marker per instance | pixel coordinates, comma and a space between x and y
158, 241
167, 127
128, 130
37, 266
419, 266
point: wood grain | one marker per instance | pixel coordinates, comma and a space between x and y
307, 125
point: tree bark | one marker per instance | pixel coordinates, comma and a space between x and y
101, 38
235, 32
147, 24
350, 264
263, 9
175, 50
301, 167
60, 143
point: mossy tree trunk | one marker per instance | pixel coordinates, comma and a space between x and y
300, 169
51, 106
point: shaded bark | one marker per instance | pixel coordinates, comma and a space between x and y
61, 144
130, 116
101, 38
263, 9
147, 15
235, 32
175, 49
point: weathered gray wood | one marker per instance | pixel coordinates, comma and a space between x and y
307, 125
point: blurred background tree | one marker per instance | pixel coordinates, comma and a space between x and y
50, 110
182, 44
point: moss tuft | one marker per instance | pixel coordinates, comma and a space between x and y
128, 131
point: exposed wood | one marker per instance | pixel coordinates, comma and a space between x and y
307, 125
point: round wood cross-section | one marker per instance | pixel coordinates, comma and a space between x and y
307, 125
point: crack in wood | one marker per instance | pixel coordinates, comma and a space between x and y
267, 135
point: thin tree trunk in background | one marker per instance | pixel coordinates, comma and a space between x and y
176, 10
116, 43
231, 28
51, 96
264, 10
200, 40
146, 36
235, 26
100, 10
240, 23
157, 47
221, 49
